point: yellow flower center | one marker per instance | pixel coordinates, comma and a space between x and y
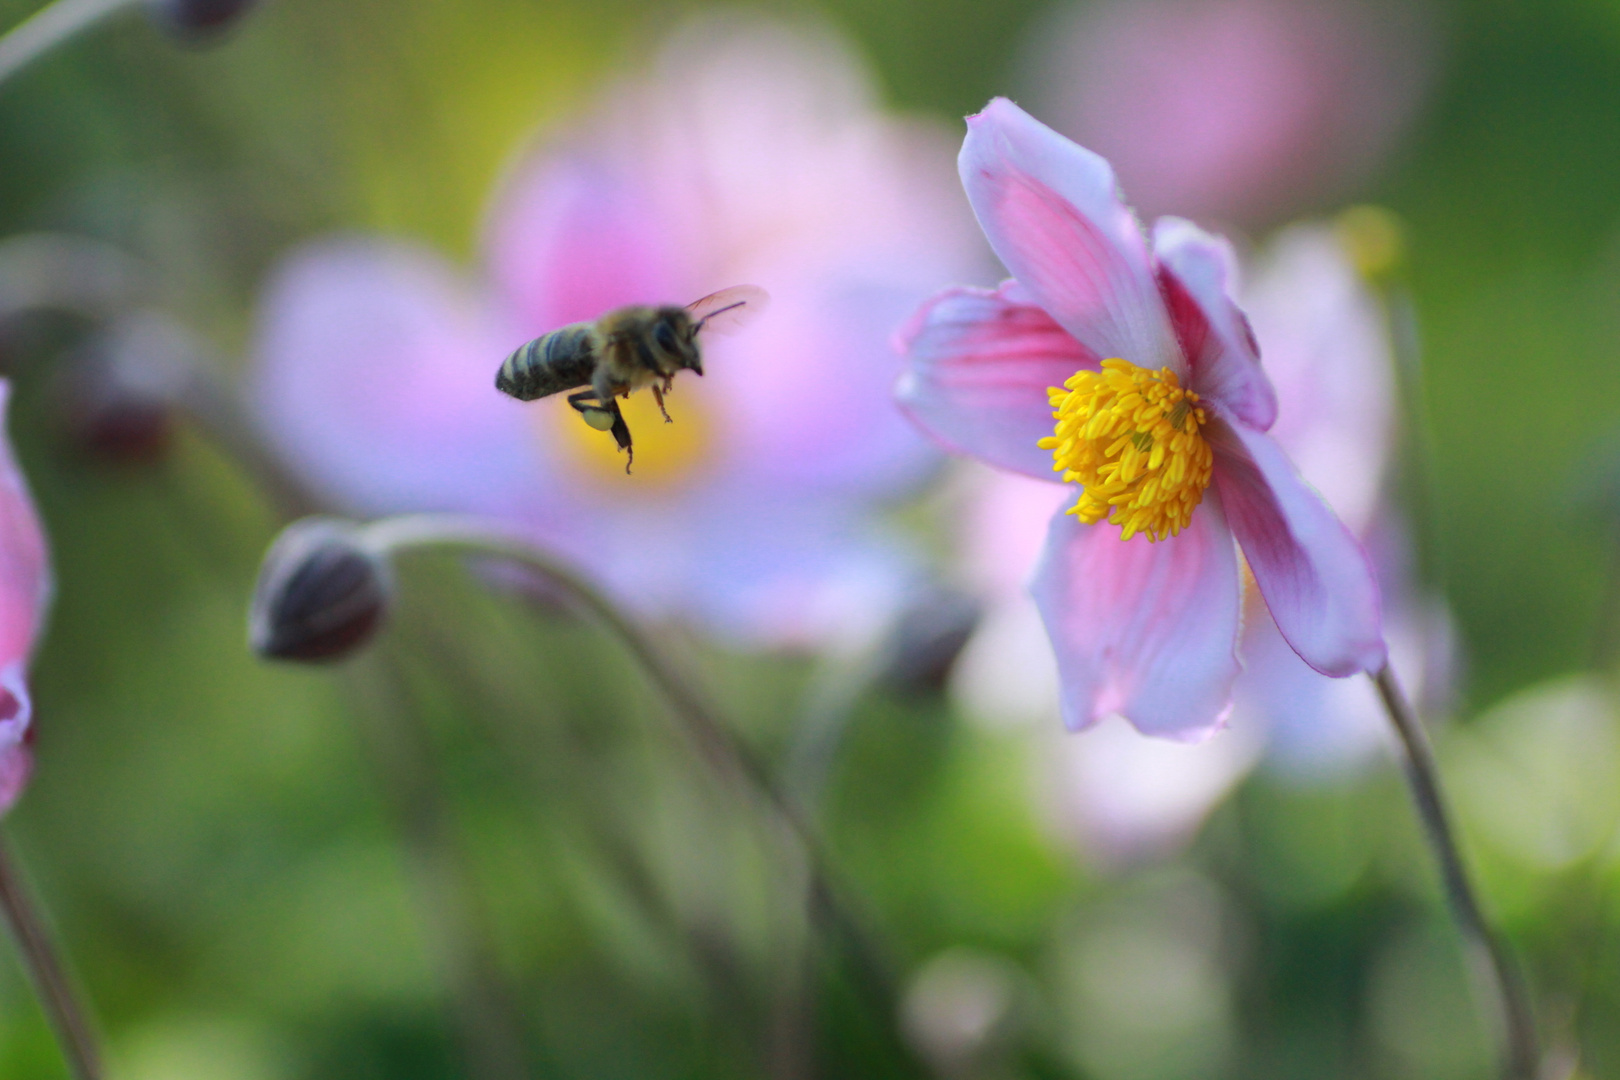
1131, 436
666, 453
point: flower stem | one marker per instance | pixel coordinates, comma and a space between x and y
45, 970
49, 27
488, 1008
727, 754
1490, 953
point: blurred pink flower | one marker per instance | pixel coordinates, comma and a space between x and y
1326, 348
1239, 110
751, 152
25, 594
1141, 627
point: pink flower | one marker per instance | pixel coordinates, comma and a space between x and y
25, 594
749, 153
1241, 110
1161, 409
1121, 797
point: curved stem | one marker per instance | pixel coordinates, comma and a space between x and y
714, 739
49, 27
45, 970
1423, 777
53, 271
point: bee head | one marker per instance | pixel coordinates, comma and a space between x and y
675, 334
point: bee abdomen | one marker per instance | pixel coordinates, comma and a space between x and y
560, 360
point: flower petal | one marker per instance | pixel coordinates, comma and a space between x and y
374, 372
1197, 272
25, 573
979, 363
25, 596
1050, 211
1127, 799
1317, 728
1142, 628
1327, 351
572, 235
1314, 576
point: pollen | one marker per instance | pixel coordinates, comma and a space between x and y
1132, 437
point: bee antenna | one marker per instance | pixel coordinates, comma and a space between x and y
721, 311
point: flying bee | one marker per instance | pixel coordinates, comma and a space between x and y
623, 351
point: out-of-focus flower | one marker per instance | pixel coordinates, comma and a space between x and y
750, 153
1327, 351
1534, 776
25, 594
1143, 984
194, 20
1162, 417
1237, 110
960, 1009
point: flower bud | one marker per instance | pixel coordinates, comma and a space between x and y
118, 393
196, 20
321, 593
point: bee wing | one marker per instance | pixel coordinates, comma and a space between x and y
729, 310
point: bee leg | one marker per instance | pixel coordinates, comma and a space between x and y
604, 417
597, 415
658, 396
621, 435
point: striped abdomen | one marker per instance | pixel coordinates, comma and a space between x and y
560, 360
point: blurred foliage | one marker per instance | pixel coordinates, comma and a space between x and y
243, 896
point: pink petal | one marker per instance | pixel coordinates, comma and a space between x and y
16, 735
25, 595
375, 376
1197, 272
1327, 352
804, 397
25, 575
1002, 529
1050, 211
979, 362
1148, 630
1314, 576
572, 235
1127, 799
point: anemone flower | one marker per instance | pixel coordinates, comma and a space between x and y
1245, 110
25, 594
1128, 369
751, 152
1123, 798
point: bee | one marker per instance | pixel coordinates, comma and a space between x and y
623, 351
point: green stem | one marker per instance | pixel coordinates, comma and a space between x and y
50, 26
487, 1007
46, 971
1522, 1059
727, 754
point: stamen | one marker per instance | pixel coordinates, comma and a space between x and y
1132, 437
